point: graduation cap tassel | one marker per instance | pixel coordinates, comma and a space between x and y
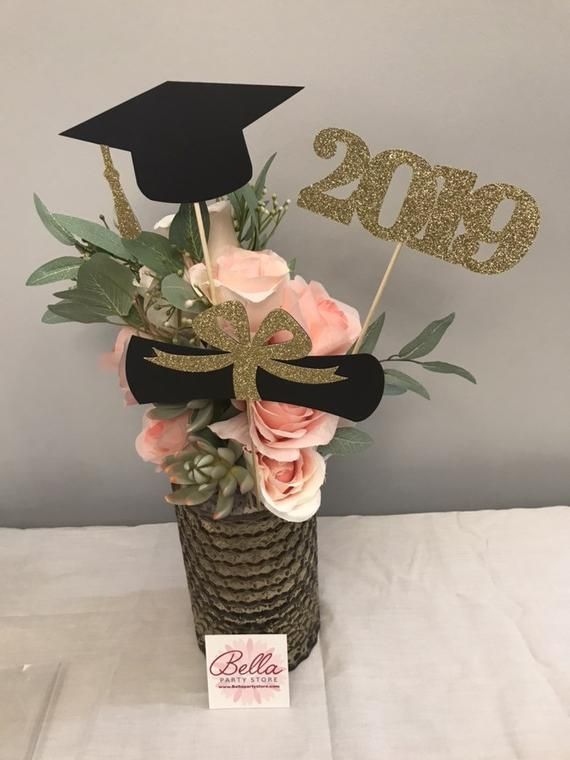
376, 300
214, 300
127, 222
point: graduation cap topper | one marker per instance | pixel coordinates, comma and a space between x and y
186, 138
187, 145
238, 366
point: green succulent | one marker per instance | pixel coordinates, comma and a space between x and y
202, 471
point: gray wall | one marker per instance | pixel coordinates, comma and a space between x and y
475, 85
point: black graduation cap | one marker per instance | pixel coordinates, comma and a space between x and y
185, 138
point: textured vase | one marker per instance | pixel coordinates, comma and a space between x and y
252, 573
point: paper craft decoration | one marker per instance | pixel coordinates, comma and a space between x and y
439, 212
186, 138
238, 366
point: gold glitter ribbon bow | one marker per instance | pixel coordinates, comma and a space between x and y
248, 354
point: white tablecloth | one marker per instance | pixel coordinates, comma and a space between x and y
444, 637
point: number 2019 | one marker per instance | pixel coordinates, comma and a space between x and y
436, 213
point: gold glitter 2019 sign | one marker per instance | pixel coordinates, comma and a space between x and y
438, 200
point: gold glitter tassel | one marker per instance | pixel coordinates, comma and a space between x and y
127, 222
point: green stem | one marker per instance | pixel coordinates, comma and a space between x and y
396, 358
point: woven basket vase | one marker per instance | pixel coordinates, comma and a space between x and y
252, 573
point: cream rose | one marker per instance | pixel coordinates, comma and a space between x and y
279, 430
292, 490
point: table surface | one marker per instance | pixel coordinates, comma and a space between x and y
444, 637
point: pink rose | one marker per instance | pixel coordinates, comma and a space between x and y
292, 490
333, 326
161, 438
279, 430
115, 359
255, 278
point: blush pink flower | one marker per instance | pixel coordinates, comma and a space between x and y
255, 278
115, 359
279, 430
292, 490
161, 438
333, 326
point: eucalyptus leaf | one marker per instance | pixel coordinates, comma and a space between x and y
110, 281
178, 292
87, 298
184, 232
49, 318
399, 379
155, 252
428, 339
449, 369
262, 176
391, 389
62, 268
77, 312
372, 335
95, 234
347, 440
51, 224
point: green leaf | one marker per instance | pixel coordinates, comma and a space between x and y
399, 379
52, 225
262, 176
390, 389
108, 280
184, 232
95, 234
177, 291
62, 268
77, 312
134, 319
87, 298
167, 411
155, 252
251, 201
49, 318
449, 369
190, 496
372, 335
347, 440
428, 339
292, 263
237, 203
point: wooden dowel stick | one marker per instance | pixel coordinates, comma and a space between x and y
206, 252
377, 297
214, 300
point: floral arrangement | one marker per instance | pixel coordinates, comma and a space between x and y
153, 284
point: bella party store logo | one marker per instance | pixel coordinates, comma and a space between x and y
247, 672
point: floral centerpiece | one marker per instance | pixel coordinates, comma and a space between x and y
260, 470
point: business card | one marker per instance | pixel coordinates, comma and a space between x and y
247, 671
